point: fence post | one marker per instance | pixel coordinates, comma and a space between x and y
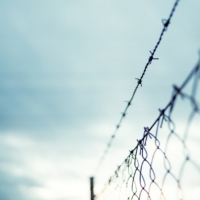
91, 188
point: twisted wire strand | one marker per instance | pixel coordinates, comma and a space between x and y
139, 82
136, 177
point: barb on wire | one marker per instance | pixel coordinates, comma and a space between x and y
162, 161
151, 58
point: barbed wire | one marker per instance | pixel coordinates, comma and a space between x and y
139, 82
136, 177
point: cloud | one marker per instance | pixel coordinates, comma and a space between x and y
66, 70
11, 186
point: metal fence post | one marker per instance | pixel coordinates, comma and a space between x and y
91, 188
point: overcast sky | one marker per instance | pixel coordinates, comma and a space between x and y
66, 68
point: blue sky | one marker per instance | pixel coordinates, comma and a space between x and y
66, 69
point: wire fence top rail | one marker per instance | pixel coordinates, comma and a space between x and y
139, 82
132, 168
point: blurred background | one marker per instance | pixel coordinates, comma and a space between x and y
66, 70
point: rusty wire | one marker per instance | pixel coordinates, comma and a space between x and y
139, 82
